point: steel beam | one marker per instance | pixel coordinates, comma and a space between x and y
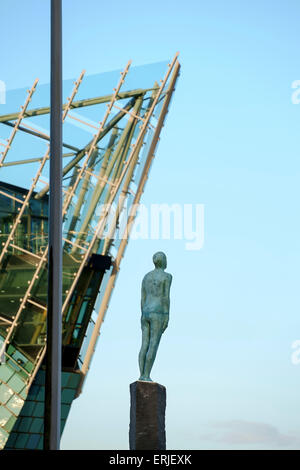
40, 135
77, 104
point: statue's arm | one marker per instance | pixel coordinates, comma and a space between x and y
168, 282
143, 295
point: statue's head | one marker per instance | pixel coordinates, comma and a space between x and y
160, 260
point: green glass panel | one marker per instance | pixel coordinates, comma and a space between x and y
24, 375
41, 394
33, 391
3, 438
11, 440
65, 378
5, 393
67, 395
11, 349
21, 441
19, 358
28, 408
10, 423
13, 365
25, 423
74, 380
30, 335
39, 410
5, 372
40, 445
4, 415
33, 441
16, 383
65, 411
15, 404
40, 378
29, 366
36, 425
14, 283
23, 394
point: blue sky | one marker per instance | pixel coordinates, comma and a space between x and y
231, 142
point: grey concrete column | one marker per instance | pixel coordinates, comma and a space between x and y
147, 416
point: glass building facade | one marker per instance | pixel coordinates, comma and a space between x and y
111, 127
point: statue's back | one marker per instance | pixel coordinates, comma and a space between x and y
155, 292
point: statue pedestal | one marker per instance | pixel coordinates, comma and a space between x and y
147, 416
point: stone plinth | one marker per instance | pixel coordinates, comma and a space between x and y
147, 416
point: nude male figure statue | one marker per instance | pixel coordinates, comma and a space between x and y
155, 304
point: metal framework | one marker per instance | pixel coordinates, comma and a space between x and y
97, 176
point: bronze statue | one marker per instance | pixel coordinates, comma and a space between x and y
155, 304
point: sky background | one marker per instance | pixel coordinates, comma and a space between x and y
231, 142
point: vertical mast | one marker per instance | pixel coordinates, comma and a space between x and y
53, 356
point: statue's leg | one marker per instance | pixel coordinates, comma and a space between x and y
145, 344
156, 324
